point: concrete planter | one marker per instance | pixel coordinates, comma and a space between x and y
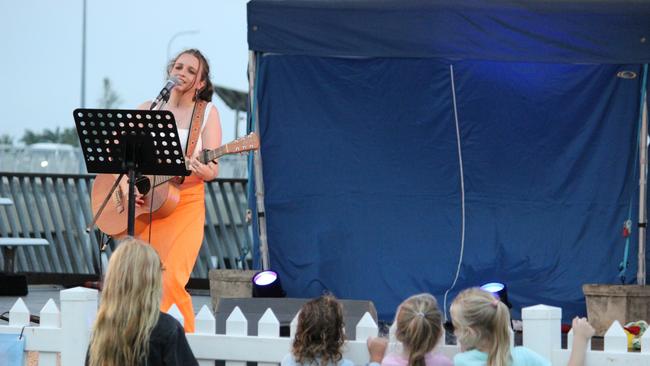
230, 283
625, 303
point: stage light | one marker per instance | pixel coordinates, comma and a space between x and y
499, 290
267, 284
626, 74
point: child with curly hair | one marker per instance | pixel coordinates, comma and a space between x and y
319, 335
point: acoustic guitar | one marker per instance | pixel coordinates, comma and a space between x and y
159, 202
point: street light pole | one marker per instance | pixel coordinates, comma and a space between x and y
83, 56
176, 35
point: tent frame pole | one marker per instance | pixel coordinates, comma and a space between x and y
257, 164
643, 171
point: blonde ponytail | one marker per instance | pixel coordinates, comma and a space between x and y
419, 327
499, 354
482, 322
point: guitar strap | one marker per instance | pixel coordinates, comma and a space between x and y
195, 131
195, 127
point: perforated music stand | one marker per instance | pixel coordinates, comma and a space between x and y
133, 142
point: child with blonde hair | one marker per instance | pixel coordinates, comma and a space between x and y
482, 327
319, 336
418, 329
130, 329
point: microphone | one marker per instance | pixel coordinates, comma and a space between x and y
164, 93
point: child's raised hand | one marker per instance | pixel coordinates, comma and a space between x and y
377, 348
582, 329
582, 332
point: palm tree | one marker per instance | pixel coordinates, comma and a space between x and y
58, 136
30, 137
69, 136
51, 135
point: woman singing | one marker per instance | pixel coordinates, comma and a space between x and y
177, 238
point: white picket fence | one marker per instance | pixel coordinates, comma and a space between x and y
67, 332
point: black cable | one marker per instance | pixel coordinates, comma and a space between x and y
153, 190
32, 318
103, 241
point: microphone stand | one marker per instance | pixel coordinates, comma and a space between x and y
154, 107
133, 175
164, 94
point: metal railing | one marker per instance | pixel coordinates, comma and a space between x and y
57, 207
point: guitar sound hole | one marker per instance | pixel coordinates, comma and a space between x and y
143, 184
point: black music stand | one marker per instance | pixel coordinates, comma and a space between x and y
133, 142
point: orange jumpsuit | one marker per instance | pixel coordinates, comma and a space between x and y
178, 237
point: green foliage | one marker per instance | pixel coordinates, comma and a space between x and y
6, 140
58, 135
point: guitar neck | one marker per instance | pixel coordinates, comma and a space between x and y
210, 155
214, 154
248, 143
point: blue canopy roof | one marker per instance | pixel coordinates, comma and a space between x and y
571, 31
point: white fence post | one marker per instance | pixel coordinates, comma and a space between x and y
366, 328
268, 326
542, 329
175, 313
236, 325
205, 324
356, 350
19, 314
293, 326
615, 338
50, 318
50, 315
78, 311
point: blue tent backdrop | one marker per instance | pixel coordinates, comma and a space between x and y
401, 138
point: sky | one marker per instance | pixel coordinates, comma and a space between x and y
126, 41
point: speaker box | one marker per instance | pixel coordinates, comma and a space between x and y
285, 309
13, 285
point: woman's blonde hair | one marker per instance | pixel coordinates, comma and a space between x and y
419, 326
482, 322
319, 335
129, 307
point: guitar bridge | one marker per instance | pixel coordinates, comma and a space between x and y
117, 197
